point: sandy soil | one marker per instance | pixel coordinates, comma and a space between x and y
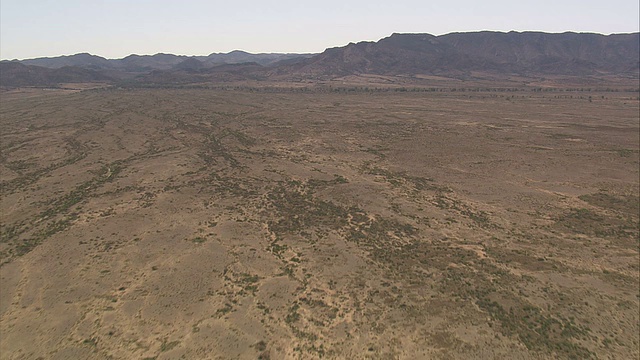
211, 224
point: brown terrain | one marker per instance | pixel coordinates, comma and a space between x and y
338, 222
460, 56
421, 197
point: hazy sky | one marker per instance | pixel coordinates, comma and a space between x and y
116, 28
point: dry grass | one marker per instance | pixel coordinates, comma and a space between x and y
313, 224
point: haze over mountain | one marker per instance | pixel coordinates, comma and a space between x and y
158, 61
460, 55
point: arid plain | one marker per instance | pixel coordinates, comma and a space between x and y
303, 224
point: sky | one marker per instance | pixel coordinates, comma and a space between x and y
117, 28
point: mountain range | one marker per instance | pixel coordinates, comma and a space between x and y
459, 55
528, 53
142, 63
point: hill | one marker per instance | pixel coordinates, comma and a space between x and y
83, 60
241, 57
526, 53
194, 71
470, 55
16, 74
160, 61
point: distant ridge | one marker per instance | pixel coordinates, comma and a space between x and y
84, 59
14, 74
160, 61
457, 55
526, 53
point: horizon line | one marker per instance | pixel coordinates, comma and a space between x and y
315, 53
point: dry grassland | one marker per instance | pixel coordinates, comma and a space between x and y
210, 224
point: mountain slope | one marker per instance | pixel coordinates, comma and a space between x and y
455, 55
83, 60
239, 57
16, 74
527, 53
146, 63
193, 71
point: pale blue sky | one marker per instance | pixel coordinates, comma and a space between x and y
116, 28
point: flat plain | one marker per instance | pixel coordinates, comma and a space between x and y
303, 224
